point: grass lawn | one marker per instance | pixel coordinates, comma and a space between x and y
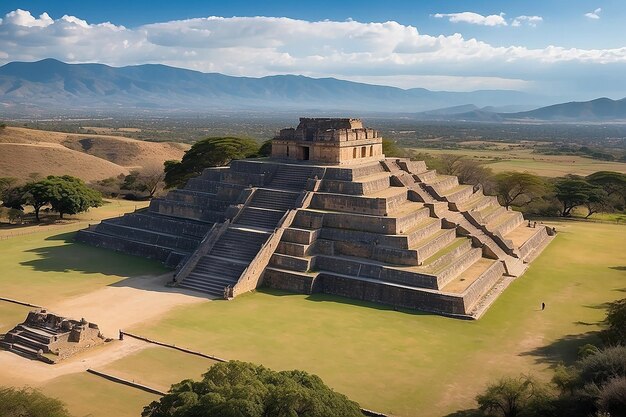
10, 314
47, 266
90, 395
414, 364
524, 160
159, 367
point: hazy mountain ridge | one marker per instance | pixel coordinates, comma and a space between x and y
50, 82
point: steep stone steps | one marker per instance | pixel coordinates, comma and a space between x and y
24, 350
291, 177
165, 224
111, 227
241, 245
258, 217
273, 199
125, 245
225, 262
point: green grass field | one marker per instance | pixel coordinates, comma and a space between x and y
414, 364
524, 160
159, 367
92, 396
45, 267
405, 363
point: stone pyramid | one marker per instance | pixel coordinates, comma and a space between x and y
329, 213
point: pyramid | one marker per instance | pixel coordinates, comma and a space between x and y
329, 213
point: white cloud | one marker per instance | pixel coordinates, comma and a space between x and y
529, 20
474, 18
259, 46
595, 14
21, 17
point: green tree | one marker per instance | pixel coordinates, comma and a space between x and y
615, 333
210, 152
27, 402
239, 389
70, 195
266, 148
37, 194
392, 150
612, 182
512, 397
518, 188
572, 192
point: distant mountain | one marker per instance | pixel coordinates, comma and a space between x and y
51, 86
600, 109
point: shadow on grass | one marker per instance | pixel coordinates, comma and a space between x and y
328, 298
466, 413
86, 259
563, 350
618, 268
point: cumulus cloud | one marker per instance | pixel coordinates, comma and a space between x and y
474, 18
257, 46
529, 20
595, 14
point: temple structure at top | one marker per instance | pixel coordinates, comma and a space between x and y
328, 141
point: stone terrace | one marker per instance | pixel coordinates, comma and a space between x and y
380, 229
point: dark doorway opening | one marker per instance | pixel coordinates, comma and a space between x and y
305, 153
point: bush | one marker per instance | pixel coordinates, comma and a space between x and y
27, 402
239, 389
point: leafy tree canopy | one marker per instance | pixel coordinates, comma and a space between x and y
616, 323
239, 389
210, 152
574, 191
518, 188
612, 182
266, 148
26, 402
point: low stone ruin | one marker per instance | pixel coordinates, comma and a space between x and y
51, 338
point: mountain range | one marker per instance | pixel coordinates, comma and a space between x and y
54, 87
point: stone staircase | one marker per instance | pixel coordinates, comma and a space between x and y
226, 261
237, 247
27, 341
291, 177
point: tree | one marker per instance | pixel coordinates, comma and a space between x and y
70, 195
391, 149
518, 188
612, 398
615, 333
611, 182
512, 397
266, 148
572, 192
27, 402
37, 194
239, 389
147, 180
210, 152
597, 201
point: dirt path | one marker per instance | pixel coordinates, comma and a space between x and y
118, 306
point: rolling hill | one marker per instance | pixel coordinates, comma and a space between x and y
50, 86
90, 157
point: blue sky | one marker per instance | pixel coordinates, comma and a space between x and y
566, 48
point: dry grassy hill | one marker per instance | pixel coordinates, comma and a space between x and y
90, 157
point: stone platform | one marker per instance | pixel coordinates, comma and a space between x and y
378, 229
50, 338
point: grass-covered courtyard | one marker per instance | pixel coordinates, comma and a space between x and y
404, 363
